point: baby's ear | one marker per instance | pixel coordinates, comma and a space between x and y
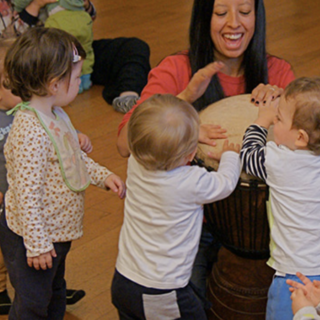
302, 139
192, 155
53, 86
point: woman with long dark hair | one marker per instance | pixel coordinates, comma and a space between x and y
227, 56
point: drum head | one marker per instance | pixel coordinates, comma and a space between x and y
234, 114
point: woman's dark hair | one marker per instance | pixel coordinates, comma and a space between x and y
201, 51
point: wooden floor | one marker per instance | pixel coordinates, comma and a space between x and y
293, 33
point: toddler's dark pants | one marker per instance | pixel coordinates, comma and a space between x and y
39, 294
135, 302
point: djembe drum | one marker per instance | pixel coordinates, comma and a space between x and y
239, 281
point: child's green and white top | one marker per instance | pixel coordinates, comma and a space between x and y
47, 176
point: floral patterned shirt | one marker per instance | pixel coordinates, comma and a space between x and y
39, 205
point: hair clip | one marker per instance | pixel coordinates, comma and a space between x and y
76, 57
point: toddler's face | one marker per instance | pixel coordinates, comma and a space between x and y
69, 90
284, 134
7, 99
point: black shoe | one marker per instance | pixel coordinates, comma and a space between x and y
5, 302
73, 296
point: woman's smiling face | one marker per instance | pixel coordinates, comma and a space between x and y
232, 28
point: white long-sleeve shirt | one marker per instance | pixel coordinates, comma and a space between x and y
163, 218
294, 206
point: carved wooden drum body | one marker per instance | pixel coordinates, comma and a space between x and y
240, 279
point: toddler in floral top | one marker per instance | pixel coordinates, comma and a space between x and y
47, 171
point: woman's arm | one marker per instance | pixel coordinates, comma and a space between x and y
173, 76
122, 142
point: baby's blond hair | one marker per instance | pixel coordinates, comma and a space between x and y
305, 94
162, 132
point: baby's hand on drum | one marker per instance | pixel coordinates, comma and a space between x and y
267, 113
208, 132
230, 147
226, 147
264, 93
199, 82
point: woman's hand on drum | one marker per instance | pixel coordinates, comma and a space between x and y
209, 132
226, 147
199, 82
264, 93
267, 113
310, 289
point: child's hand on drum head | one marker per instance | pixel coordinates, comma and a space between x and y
226, 147
208, 132
311, 290
267, 113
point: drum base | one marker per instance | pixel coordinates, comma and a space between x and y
238, 288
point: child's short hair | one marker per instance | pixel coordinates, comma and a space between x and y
37, 57
305, 92
162, 132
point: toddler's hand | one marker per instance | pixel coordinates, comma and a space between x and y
267, 113
231, 147
85, 143
116, 185
310, 289
43, 261
226, 147
208, 132
299, 300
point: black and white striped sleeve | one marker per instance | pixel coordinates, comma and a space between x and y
252, 153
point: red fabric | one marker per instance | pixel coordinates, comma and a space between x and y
173, 74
